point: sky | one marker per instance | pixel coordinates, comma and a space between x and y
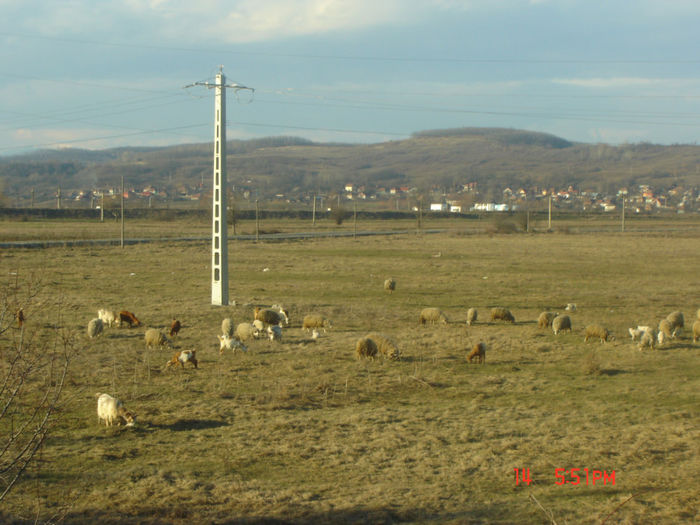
96, 74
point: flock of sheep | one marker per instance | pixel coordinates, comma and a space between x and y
269, 323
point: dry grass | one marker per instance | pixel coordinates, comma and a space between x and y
301, 431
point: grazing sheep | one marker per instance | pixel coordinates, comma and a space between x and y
312, 321
274, 333
478, 352
110, 410
636, 333
245, 332
561, 323
229, 343
661, 337
182, 357
502, 314
385, 346
472, 315
666, 328
365, 347
677, 322
227, 327
432, 316
283, 312
596, 330
390, 285
95, 327
155, 338
128, 318
545, 319
269, 316
648, 339
696, 331
570, 307
175, 327
107, 317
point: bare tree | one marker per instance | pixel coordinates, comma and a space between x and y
34, 362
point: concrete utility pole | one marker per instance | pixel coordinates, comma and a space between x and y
121, 238
549, 216
219, 241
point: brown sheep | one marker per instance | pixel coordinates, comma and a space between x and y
478, 352
128, 318
545, 319
268, 316
502, 314
175, 327
596, 330
365, 347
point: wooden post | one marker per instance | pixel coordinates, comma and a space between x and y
257, 221
313, 213
102, 207
121, 239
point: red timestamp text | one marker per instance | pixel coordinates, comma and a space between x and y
584, 476
571, 476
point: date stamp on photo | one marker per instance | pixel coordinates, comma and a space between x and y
571, 476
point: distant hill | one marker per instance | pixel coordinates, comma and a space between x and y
445, 159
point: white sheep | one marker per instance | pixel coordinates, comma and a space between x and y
274, 333
111, 410
390, 285
677, 322
561, 323
661, 338
636, 333
95, 327
229, 343
312, 321
432, 316
472, 315
545, 319
245, 332
227, 327
665, 328
108, 317
570, 307
154, 338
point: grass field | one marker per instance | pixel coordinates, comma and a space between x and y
302, 432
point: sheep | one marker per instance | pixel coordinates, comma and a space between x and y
545, 319
570, 307
245, 332
661, 337
95, 327
128, 318
676, 321
259, 325
636, 333
666, 329
561, 323
282, 311
107, 317
229, 343
478, 352
648, 339
696, 331
316, 321
269, 316
385, 346
175, 327
596, 330
472, 315
110, 410
390, 285
227, 327
432, 316
502, 314
154, 338
365, 347
274, 333
182, 357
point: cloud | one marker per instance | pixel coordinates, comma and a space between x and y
612, 82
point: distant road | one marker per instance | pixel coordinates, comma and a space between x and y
262, 237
